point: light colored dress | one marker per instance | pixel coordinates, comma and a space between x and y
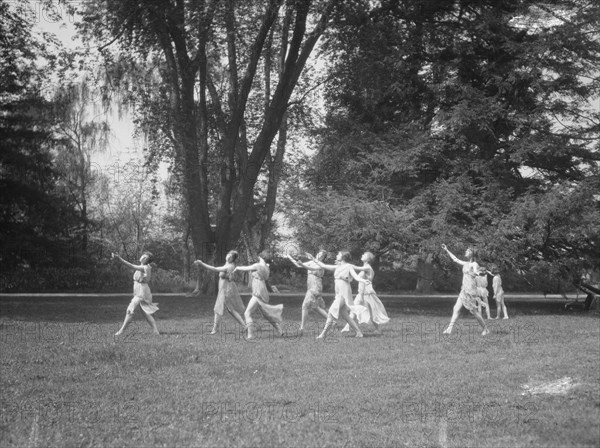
228, 297
482, 284
259, 290
314, 289
498, 290
142, 296
343, 292
366, 296
468, 293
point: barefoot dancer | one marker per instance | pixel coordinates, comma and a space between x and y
228, 297
482, 291
468, 294
142, 296
314, 287
260, 296
498, 293
343, 303
375, 311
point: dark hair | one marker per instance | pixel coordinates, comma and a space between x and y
345, 255
266, 255
474, 252
234, 254
150, 256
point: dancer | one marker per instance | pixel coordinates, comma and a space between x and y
468, 296
260, 295
313, 300
498, 293
228, 297
374, 312
342, 303
142, 296
482, 291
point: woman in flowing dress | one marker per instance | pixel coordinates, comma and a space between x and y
343, 303
374, 312
313, 300
482, 284
260, 296
142, 297
228, 297
468, 296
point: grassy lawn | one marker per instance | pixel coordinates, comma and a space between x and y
65, 381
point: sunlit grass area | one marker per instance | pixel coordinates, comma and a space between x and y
65, 381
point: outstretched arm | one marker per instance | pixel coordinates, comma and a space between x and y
356, 276
252, 267
135, 267
306, 266
453, 257
209, 267
329, 267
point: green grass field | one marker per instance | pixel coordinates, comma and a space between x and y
65, 381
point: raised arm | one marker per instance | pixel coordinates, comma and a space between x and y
135, 267
209, 267
453, 256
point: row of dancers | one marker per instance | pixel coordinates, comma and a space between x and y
365, 308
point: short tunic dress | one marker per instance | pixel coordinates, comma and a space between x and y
343, 293
228, 297
259, 290
366, 296
498, 290
468, 293
141, 292
314, 289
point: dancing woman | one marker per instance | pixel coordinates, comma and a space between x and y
468, 296
342, 303
498, 293
228, 297
374, 310
482, 291
313, 300
260, 295
142, 296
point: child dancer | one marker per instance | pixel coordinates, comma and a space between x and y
374, 312
468, 296
228, 297
260, 295
343, 303
498, 293
482, 291
142, 296
313, 300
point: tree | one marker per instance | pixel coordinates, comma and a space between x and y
206, 56
457, 116
34, 217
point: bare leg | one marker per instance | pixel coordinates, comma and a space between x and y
504, 309
487, 308
329, 323
151, 321
348, 318
498, 309
481, 322
252, 305
304, 317
347, 326
128, 317
455, 313
216, 324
